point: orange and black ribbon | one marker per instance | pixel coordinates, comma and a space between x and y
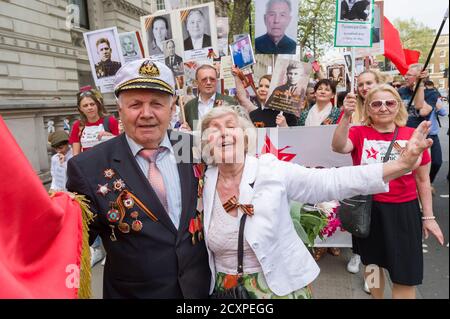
232, 203
127, 194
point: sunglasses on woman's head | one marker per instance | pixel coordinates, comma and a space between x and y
377, 104
85, 93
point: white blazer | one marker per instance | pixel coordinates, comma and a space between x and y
286, 263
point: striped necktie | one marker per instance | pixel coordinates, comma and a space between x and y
154, 175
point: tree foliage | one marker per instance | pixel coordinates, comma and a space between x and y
239, 22
415, 36
316, 25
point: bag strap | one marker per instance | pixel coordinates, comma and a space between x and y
388, 153
106, 123
240, 268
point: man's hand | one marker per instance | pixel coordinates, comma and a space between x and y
423, 75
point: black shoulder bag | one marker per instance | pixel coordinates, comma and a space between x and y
355, 212
239, 291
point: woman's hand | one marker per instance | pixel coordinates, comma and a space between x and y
281, 120
430, 225
411, 155
349, 105
236, 71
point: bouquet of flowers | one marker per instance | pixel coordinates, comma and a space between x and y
315, 221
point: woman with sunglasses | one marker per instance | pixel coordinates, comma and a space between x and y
395, 239
366, 81
95, 125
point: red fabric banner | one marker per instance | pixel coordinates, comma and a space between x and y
40, 236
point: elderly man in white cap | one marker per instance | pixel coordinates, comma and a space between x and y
144, 194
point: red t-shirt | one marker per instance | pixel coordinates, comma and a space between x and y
370, 146
89, 135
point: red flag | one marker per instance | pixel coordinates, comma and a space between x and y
393, 49
41, 237
411, 56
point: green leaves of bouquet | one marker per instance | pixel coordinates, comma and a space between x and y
308, 222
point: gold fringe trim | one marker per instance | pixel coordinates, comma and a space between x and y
84, 291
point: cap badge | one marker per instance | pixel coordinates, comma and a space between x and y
148, 68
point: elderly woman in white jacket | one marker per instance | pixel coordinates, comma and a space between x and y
276, 262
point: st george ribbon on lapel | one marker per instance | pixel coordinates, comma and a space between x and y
154, 175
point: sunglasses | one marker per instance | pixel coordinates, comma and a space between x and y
85, 93
377, 104
208, 79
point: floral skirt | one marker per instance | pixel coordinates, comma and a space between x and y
257, 287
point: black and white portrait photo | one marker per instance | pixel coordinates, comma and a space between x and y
130, 44
355, 10
196, 28
105, 54
172, 59
157, 29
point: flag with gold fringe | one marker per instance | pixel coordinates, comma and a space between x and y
44, 249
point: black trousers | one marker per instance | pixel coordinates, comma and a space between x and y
436, 157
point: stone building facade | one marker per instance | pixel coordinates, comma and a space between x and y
439, 62
44, 62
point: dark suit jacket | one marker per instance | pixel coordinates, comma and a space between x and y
189, 46
159, 261
191, 108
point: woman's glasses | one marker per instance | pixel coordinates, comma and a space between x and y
377, 104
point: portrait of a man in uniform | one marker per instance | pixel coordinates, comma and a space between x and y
106, 67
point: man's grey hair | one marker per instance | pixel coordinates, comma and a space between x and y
272, 2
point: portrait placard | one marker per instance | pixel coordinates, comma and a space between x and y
131, 45
276, 26
288, 86
354, 20
105, 56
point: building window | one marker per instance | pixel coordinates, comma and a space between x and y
442, 41
442, 54
441, 67
441, 84
430, 68
84, 17
160, 5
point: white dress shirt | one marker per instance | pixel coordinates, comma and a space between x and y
197, 43
205, 107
